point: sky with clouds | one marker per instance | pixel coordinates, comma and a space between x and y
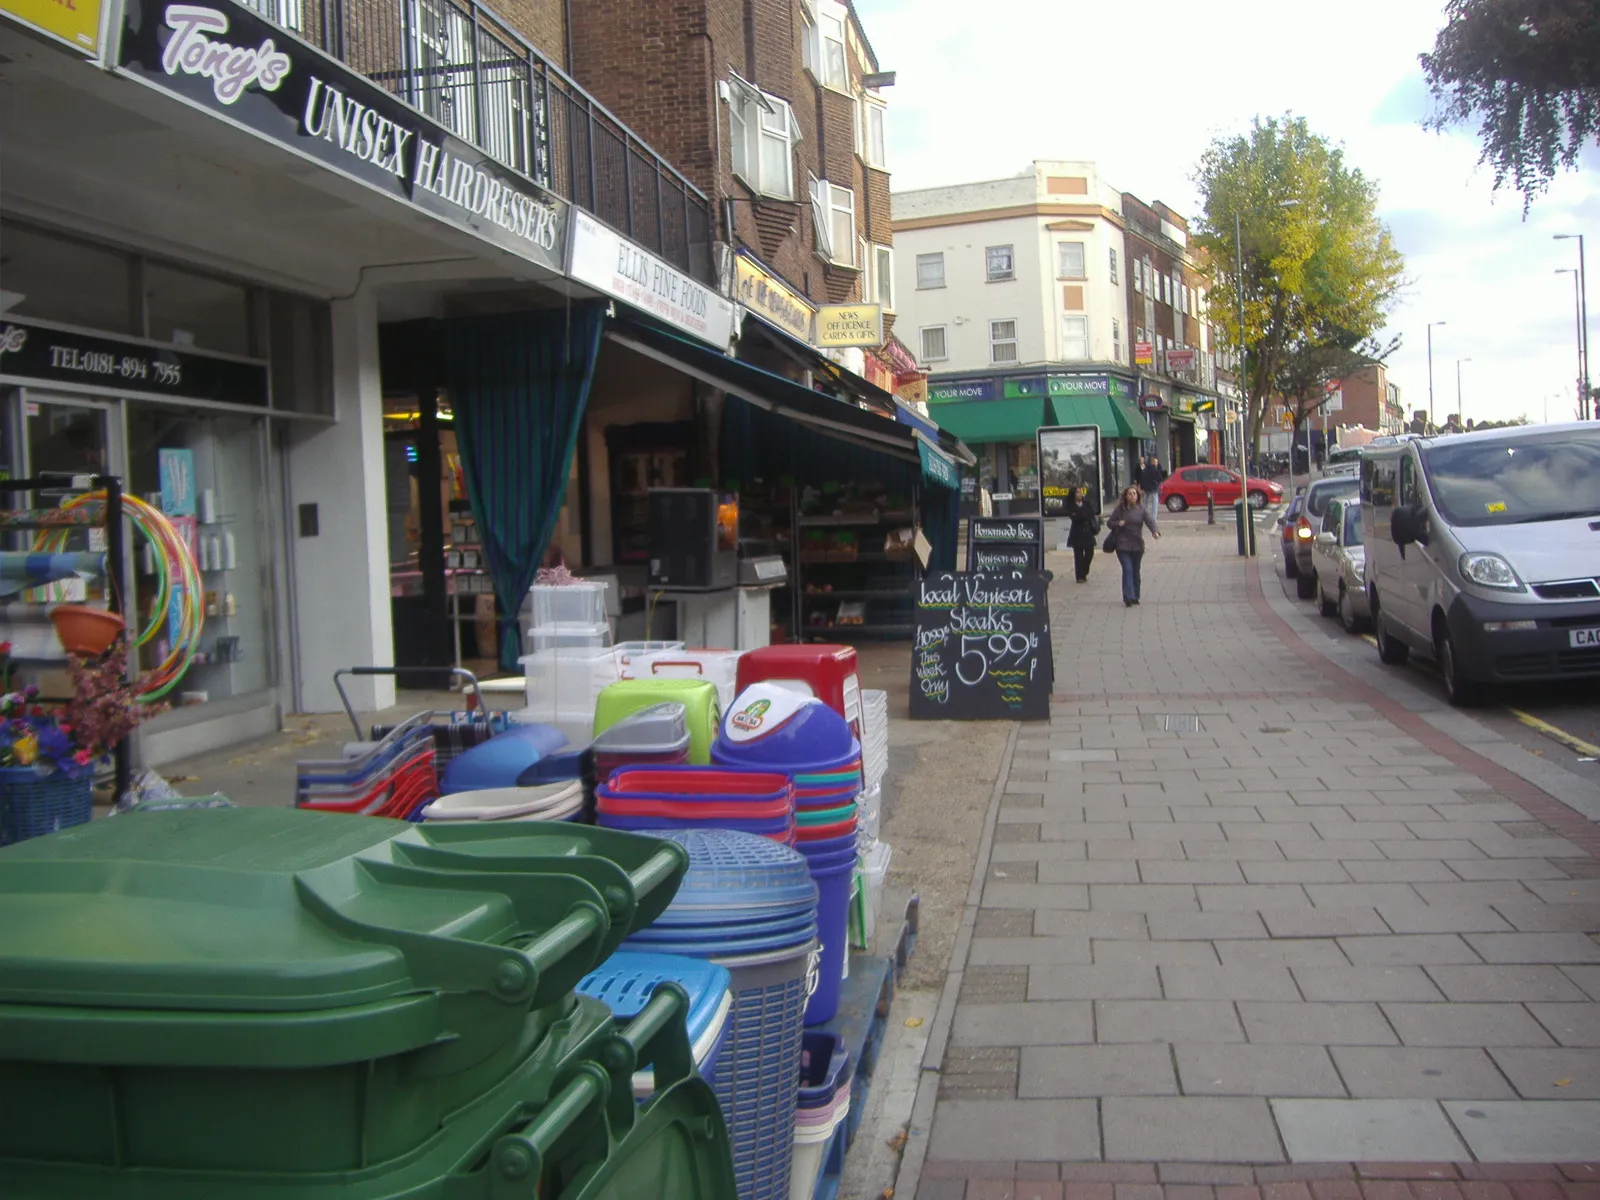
1141, 90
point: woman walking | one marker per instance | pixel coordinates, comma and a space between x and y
1081, 533
1127, 523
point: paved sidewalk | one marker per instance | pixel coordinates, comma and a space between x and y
1238, 910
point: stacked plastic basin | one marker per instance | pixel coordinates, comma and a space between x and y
749, 904
657, 735
687, 797
626, 981
525, 773
824, 1105
774, 728
252, 1002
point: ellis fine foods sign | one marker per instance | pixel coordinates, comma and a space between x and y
222, 57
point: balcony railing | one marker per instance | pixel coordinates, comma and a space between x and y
464, 67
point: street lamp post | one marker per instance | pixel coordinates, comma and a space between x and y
1461, 412
1431, 324
1583, 326
1583, 362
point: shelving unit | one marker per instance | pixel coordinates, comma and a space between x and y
115, 549
868, 574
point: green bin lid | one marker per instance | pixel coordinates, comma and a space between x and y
170, 926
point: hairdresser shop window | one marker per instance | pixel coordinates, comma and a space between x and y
206, 473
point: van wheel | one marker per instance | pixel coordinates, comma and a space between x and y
1328, 608
1461, 692
1176, 503
1391, 650
1305, 585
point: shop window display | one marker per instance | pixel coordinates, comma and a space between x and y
206, 472
66, 281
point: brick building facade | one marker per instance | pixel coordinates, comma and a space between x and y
764, 106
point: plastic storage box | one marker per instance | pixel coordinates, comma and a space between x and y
563, 686
579, 603
721, 667
658, 735
569, 637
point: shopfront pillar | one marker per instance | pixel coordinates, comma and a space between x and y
338, 531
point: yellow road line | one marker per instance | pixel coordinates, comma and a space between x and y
1588, 749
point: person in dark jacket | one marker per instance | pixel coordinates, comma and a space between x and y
1083, 531
1150, 479
1127, 523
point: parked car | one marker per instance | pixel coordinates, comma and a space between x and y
1346, 460
1187, 487
1341, 560
1321, 491
1483, 551
1287, 521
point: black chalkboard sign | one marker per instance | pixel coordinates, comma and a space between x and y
982, 646
1005, 544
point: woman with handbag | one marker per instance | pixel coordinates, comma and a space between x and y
1082, 532
1125, 534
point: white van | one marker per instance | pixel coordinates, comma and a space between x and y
1483, 552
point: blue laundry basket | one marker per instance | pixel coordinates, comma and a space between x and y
750, 905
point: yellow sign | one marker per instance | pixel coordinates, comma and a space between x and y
763, 294
76, 22
849, 325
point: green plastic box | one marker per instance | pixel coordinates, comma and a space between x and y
703, 709
277, 989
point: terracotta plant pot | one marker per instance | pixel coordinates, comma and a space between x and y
86, 631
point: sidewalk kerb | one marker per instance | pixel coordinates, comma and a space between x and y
916, 1151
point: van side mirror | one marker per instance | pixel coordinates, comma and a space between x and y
1409, 524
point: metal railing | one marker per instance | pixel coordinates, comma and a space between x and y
467, 69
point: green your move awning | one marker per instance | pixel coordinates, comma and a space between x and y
1117, 418
990, 420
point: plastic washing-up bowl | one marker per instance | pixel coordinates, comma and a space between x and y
777, 727
825, 816
502, 760
694, 783
551, 801
713, 812
768, 828
811, 835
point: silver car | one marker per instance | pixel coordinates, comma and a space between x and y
1341, 563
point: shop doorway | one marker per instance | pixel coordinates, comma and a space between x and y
63, 434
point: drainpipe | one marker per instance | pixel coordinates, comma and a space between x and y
566, 21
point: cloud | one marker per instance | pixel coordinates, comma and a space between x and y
981, 98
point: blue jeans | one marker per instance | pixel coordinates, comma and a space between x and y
1130, 560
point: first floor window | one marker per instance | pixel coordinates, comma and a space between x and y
763, 133
1069, 263
880, 277
833, 213
1116, 340
930, 270
933, 346
1113, 264
1074, 338
1002, 341
998, 263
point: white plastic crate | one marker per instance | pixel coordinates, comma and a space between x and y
874, 736
633, 658
721, 667
875, 869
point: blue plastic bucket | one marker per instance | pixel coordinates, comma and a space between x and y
833, 923
824, 849
824, 1068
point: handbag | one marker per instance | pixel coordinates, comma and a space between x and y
1110, 543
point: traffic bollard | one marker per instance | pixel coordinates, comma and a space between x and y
1244, 528
1211, 507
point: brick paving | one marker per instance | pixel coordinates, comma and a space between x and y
1246, 923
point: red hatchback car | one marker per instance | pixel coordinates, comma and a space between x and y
1187, 486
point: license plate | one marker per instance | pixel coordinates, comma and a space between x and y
1585, 637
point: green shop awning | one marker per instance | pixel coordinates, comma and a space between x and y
1116, 417
990, 420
